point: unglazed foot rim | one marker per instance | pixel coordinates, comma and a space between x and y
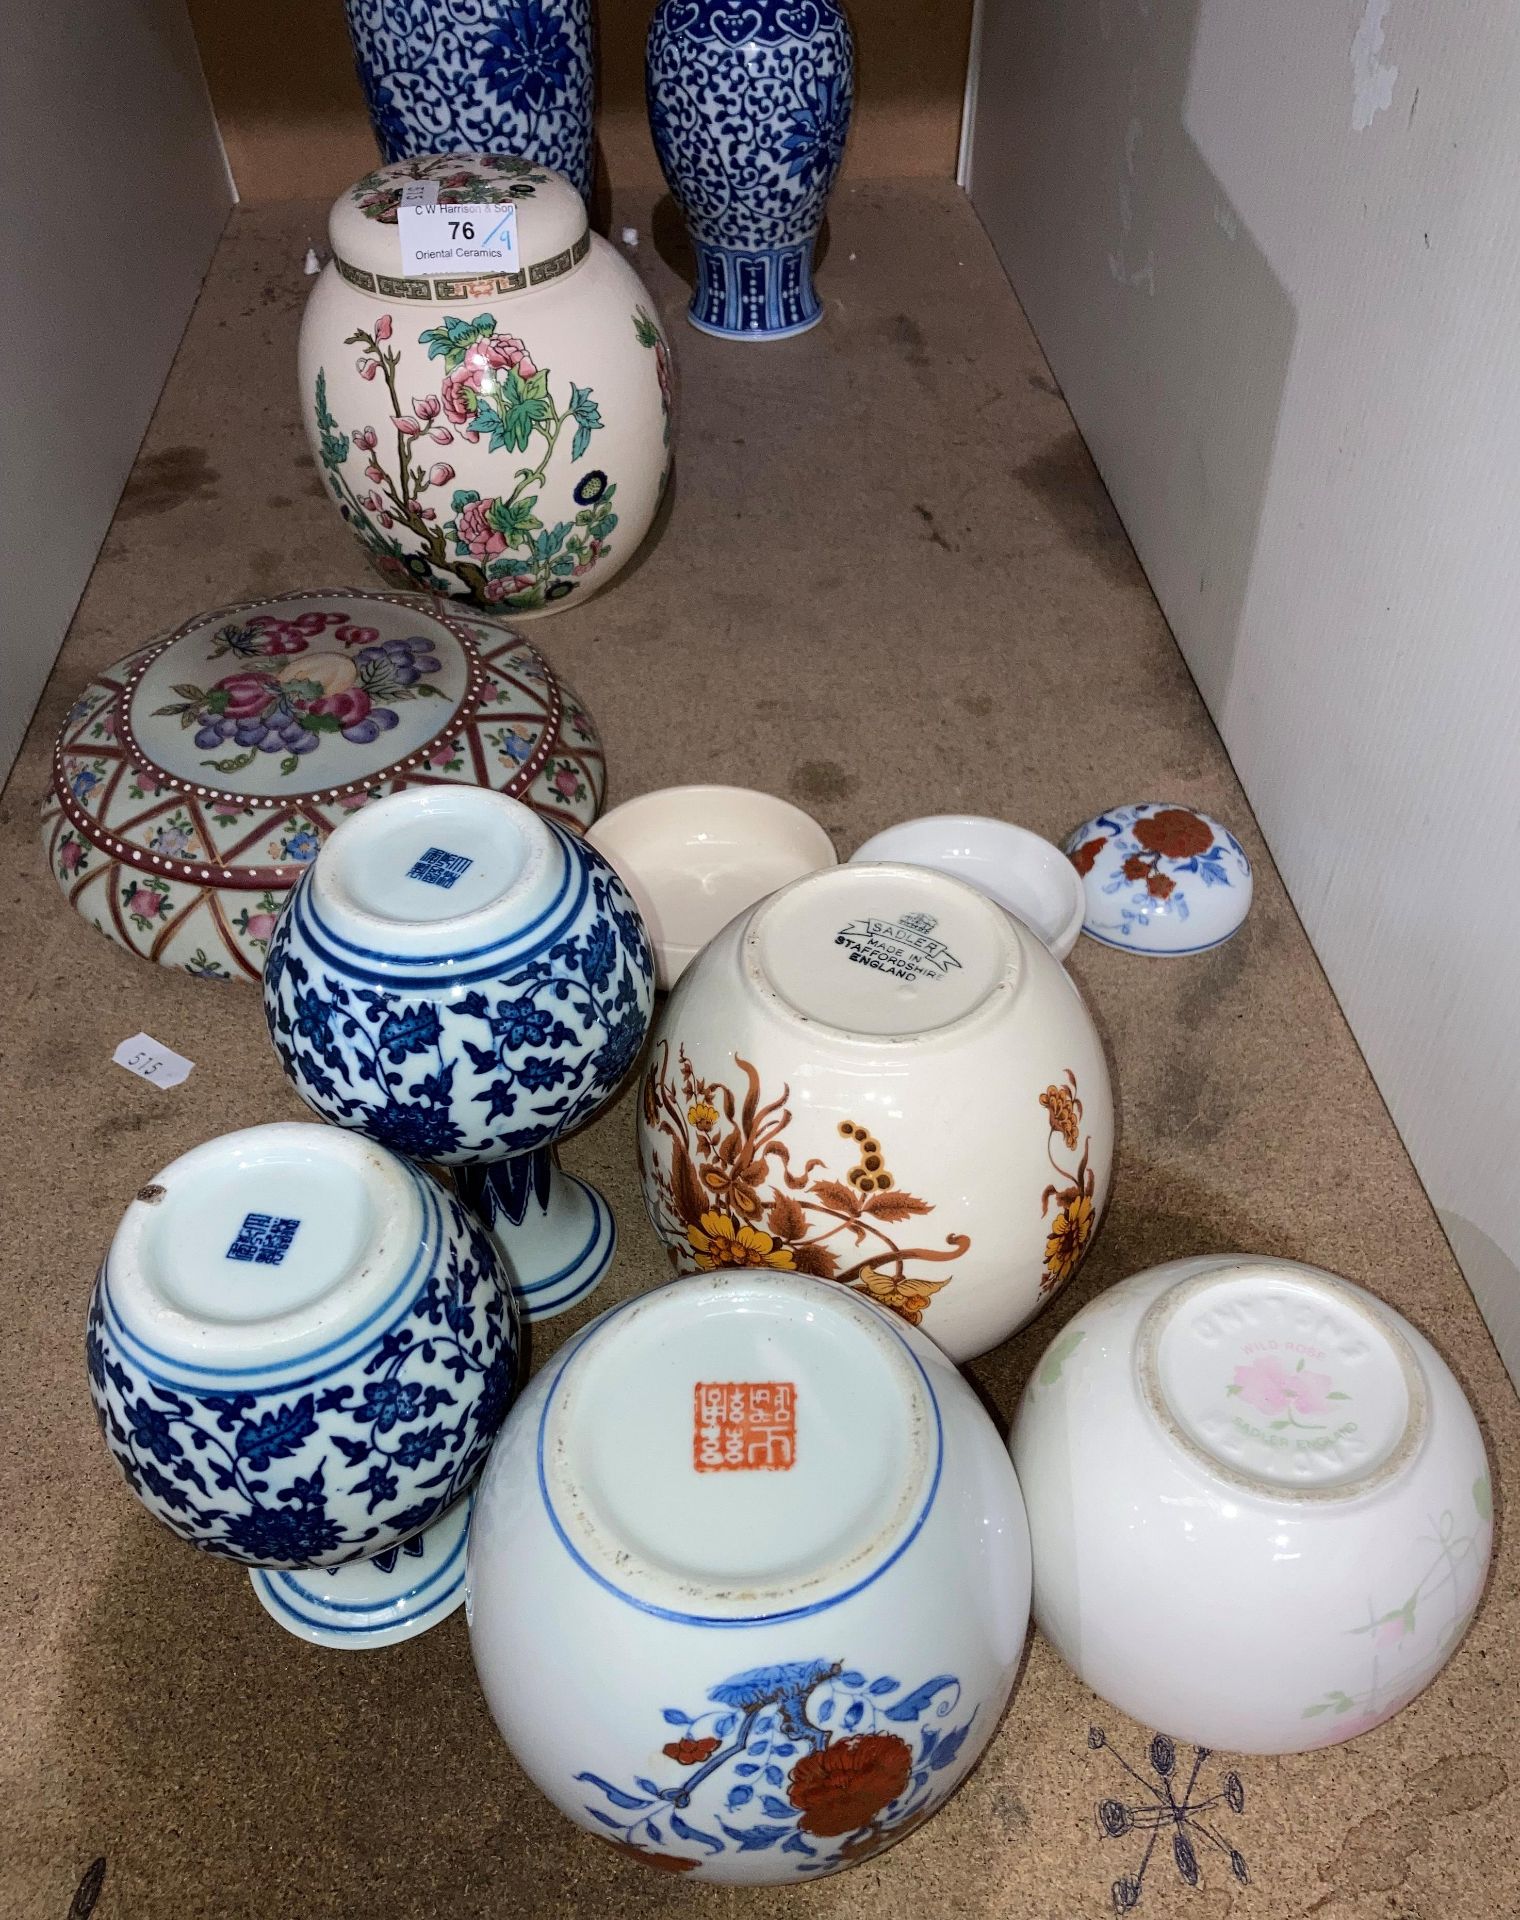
349, 1608
1280, 1324
554, 1293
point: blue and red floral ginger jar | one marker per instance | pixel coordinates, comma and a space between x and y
194, 781
499, 433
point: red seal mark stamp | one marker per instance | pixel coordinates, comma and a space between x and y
744, 1426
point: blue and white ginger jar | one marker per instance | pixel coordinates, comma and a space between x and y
299, 1348
466, 982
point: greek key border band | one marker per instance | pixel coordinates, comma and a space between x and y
469, 286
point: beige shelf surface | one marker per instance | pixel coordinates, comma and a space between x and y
890, 582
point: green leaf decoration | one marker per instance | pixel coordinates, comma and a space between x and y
514, 518
1231, 1390
463, 497
1483, 1497
645, 330
1337, 1396
1320, 1706
525, 412
290, 763
235, 763
1275, 1424
321, 722
1059, 1354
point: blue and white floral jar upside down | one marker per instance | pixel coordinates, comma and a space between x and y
749, 108
300, 1349
466, 983
483, 76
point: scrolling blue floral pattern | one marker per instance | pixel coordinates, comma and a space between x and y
479, 76
321, 1465
500, 1069
749, 106
809, 1757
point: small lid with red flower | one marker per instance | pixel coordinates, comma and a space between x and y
194, 780
553, 236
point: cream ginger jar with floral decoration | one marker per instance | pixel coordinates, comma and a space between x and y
501, 436
880, 1078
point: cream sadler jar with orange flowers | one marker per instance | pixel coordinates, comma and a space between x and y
501, 435
879, 1078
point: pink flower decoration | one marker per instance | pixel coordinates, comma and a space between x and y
426, 408
365, 437
374, 472
405, 424
1271, 1387
260, 925
504, 589
370, 502
566, 782
146, 903
368, 369
481, 373
386, 520
426, 513
442, 436
383, 327
69, 855
477, 532
1388, 1633
440, 475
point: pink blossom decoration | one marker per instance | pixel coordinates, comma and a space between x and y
365, 437
383, 327
440, 475
405, 425
1270, 1387
368, 369
426, 407
442, 436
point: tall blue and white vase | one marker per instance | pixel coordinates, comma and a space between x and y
479, 76
749, 107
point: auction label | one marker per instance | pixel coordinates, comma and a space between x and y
438, 237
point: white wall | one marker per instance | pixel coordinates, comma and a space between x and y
113, 191
1272, 252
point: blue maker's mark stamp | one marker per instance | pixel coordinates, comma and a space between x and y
438, 867
263, 1238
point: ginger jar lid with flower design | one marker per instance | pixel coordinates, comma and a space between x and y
194, 780
552, 233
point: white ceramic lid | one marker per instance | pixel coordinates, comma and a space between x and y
258, 1249
552, 231
1283, 1381
1027, 876
882, 952
695, 857
737, 1447
435, 875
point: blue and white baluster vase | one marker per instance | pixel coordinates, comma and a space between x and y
300, 1349
479, 76
466, 982
749, 108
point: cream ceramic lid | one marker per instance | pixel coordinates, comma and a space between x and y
552, 232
